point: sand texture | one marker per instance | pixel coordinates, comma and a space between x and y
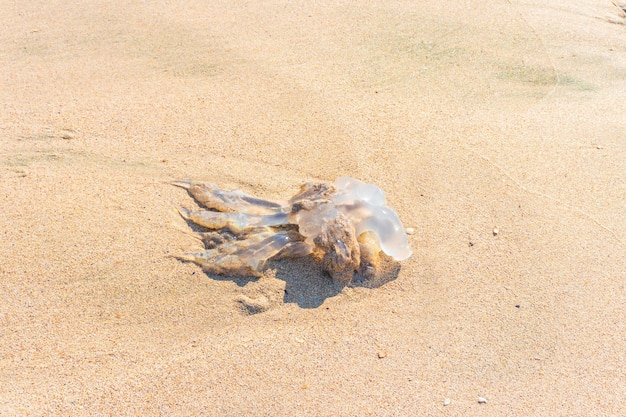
496, 128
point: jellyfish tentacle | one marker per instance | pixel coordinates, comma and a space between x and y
236, 222
211, 197
245, 257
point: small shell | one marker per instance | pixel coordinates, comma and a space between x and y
409, 230
482, 400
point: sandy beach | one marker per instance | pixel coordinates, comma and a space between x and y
497, 130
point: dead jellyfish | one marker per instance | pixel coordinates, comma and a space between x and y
346, 224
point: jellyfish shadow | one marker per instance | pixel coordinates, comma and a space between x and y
308, 285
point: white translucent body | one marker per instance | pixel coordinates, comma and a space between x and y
365, 205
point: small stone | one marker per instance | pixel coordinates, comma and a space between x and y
495, 231
446, 402
409, 230
68, 134
382, 354
482, 400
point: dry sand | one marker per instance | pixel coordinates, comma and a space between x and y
471, 115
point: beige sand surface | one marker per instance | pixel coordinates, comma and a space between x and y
471, 115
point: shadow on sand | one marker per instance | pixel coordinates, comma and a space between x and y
307, 285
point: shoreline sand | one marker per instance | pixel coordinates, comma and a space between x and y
505, 115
